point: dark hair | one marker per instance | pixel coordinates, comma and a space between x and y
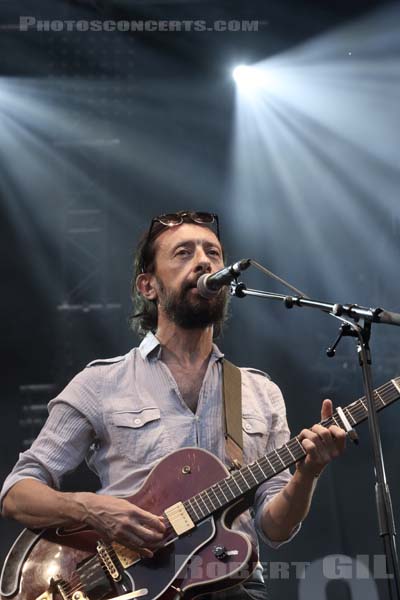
145, 312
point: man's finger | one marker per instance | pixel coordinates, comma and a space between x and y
149, 520
326, 410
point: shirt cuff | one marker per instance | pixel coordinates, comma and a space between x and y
271, 543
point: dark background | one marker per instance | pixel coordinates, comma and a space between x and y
102, 131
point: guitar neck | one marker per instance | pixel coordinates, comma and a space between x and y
247, 479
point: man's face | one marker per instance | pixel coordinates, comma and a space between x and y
183, 253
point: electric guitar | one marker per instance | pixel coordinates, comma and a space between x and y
199, 498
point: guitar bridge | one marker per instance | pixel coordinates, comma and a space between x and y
107, 561
179, 518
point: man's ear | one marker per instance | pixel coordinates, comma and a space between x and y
145, 284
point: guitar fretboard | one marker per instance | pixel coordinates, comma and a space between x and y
247, 479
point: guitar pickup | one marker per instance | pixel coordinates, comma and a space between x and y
179, 518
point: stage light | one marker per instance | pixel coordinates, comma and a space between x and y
247, 77
254, 80
302, 144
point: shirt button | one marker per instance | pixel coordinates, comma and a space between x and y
137, 421
247, 427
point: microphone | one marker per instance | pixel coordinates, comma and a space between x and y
209, 285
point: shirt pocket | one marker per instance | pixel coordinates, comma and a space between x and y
141, 435
255, 437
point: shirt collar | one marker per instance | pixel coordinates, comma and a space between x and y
150, 343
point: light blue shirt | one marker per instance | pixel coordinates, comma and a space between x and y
126, 413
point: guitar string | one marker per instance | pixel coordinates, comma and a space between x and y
356, 409
76, 583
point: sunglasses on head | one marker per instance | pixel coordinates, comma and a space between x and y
174, 219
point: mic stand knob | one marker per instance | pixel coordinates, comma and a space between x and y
237, 289
344, 330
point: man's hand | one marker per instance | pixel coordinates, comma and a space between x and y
117, 520
322, 444
291, 505
37, 506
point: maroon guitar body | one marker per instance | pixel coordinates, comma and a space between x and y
193, 564
199, 499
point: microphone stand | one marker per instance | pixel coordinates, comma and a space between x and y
387, 529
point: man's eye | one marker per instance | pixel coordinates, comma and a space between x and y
214, 252
182, 252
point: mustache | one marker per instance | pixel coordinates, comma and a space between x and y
190, 284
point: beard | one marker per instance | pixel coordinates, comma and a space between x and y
193, 312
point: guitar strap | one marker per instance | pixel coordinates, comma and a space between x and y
232, 392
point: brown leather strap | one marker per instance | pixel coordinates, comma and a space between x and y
232, 389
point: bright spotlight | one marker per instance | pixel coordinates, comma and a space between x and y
243, 74
247, 77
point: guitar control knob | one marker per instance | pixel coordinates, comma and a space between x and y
220, 552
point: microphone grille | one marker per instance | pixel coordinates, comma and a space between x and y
203, 289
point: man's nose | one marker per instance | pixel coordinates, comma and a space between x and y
203, 262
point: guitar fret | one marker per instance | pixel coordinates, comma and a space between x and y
270, 464
252, 474
205, 504
278, 455
240, 473
193, 509
275, 460
300, 444
336, 422
267, 465
297, 448
352, 408
200, 509
357, 410
219, 493
286, 455
211, 490
227, 487
236, 483
261, 469
350, 417
222, 491
388, 396
209, 499
290, 452
379, 397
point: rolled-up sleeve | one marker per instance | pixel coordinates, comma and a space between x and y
63, 441
278, 436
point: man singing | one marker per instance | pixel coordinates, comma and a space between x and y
125, 414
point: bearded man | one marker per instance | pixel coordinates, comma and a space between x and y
125, 414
